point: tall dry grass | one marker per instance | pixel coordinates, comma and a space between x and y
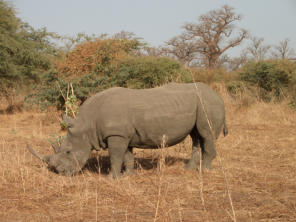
258, 157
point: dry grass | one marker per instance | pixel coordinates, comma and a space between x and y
258, 156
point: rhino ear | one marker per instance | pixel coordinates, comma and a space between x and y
68, 121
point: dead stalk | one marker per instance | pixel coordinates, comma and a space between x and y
72, 92
23, 180
220, 161
160, 165
96, 202
179, 209
227, 187
201, 186
66, 98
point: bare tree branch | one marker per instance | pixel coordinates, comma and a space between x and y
182, 48
283, 50
257, 49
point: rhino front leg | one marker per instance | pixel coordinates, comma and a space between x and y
117, 147
129, 161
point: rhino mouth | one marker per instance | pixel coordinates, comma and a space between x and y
62, 171
62, 168
53, 169
56, 169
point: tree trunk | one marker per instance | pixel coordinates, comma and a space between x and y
212, 61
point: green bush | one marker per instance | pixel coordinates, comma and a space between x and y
131, 72
235, 87
272, 77
148, 72
47, 92
24, 53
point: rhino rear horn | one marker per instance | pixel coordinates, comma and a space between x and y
68, 121
44, 158
56, 147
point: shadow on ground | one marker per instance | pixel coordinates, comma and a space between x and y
102, 165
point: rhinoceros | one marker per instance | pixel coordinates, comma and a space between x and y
121, 118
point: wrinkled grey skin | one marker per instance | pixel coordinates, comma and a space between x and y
120, 118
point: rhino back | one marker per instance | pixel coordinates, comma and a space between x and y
168, 110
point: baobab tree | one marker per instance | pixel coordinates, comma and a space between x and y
182, 49
211, 36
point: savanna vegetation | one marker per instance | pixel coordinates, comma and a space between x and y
253, 178
35, 71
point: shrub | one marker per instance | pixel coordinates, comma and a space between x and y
132, 72
24, 54
210, 76
272, 77
96, 56
235, 87
47, 92
148, 72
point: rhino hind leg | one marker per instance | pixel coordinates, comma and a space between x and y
117, 147
193, 163
202, 135
208, 151
129, 161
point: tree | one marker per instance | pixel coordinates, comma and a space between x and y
23, 51
153, 51
69, 42
213, 34
100, 56
283, 50
124, 35
257, 49
237, 62
183, 49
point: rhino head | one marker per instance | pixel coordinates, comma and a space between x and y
72, 154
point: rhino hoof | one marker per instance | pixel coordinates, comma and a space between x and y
129, 173
190, 166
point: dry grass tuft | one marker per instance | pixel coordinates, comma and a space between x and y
258, 156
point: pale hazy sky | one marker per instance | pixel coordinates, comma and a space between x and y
156, 21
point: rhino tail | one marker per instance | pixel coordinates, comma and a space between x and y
225, 129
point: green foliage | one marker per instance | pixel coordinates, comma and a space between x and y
272, 77
24, 52
235, 87
209, 76
132, 72
47, 93
54, 139
53, 90
71, 105
148, 72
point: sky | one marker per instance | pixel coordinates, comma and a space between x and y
157, 21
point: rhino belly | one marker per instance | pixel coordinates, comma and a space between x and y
151, 132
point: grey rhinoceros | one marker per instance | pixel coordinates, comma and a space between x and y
120, 119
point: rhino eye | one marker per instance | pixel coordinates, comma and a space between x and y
68, 152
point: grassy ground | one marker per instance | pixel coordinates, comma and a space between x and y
253, 178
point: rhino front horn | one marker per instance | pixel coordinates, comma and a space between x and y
44, 158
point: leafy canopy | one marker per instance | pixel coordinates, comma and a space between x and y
24, 52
